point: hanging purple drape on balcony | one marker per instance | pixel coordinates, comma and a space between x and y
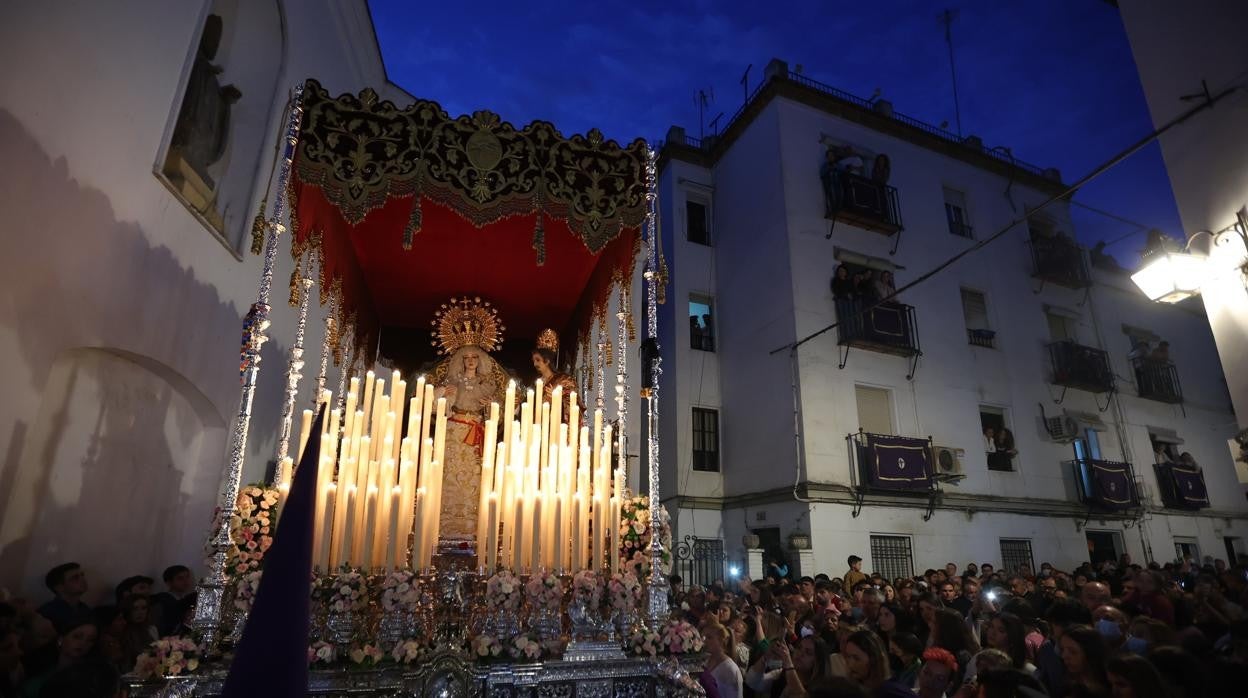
1112, 485
897, 463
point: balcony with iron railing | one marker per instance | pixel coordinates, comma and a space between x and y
862, 202
1157, 379
981, 338
1105, 485
1083, 368
962, 230
1059, 260
887, 327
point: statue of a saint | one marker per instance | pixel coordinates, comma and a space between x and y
469, 379
546, 360
203, 126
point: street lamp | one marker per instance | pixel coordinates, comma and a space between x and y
1213, 265
1169, 277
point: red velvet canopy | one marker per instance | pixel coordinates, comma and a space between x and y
408, 208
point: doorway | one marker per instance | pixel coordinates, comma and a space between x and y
1104, 546
769, 541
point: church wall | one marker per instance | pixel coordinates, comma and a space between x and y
101, 254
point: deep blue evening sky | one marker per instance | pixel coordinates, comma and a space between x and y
1053, 80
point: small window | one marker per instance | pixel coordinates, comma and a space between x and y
892, 556
1186, 549
706, 439
1016, 556
1088, 446
697, 222
955, 213
875, 409
999, 442
1061, 327
975, 313
701, 323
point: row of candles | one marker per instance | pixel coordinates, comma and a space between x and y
549, 497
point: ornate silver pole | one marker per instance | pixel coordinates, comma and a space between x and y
658, 580
212, 587
327, 345
621, 392
346, 359
294, 368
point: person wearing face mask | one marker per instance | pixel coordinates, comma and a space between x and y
1112, 624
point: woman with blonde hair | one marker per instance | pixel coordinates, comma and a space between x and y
719, 663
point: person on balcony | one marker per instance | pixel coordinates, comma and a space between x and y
1161, 355
1005, 444
990, 441
883, 285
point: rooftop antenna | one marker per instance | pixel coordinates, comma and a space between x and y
946, 18
745, 84
703, 98
715, 123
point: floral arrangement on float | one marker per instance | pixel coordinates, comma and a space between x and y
635, 536
344, 592
170, 656
544, 592
675, 637
400, 592
251, 529
321, 653
407, 652
587, 587
624, 593
245, 588
504, 592
366, 655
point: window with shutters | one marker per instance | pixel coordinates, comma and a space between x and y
975, 312
705, 439
955, 214
875, 409
697, 222
1061, 327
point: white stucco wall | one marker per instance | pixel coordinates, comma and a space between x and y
100, 254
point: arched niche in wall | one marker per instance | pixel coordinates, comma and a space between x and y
218, 136
120, 473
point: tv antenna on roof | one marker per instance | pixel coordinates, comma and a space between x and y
946, 18
703, 99
745, 83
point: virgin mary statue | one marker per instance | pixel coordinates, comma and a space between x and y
469, 379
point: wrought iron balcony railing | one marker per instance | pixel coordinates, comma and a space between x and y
863, 202
1059, 260
1106, 485
1157, 379
1077, 366
889, 328
981, 338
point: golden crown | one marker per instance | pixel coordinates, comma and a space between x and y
548, 339
466, 322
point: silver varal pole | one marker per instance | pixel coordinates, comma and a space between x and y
211, 588
294, 368
658, 580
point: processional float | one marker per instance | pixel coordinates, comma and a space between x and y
406, 217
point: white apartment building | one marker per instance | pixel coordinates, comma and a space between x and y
1029, 335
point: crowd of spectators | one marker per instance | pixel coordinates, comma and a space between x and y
64, 648
1115, 629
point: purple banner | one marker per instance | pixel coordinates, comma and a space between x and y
897, 462
1182, 486
1112, 486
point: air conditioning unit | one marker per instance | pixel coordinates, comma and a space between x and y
947, 462
1062, 429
